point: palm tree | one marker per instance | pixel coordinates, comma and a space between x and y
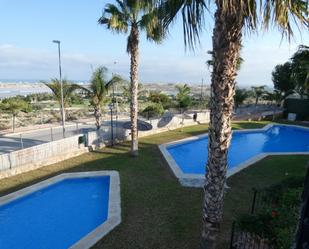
126, 92
98, 90
183, 98
258, 92
133, 16
275, 96
14, 105
68, 89
232, 18
240, 96
210, 62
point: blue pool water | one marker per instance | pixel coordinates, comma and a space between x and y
191, 156
56, 216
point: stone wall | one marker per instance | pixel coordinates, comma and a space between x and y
40, 155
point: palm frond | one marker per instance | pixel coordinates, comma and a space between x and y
284, 14
68, 88
116, 79
115, 19
137, 6
246, 9
153, 26
192, 12
99, 85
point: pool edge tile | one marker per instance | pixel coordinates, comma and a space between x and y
198, 180
114, 204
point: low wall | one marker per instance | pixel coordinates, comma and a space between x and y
166, 123
40, 155
52, 152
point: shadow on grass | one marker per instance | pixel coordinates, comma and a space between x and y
157, 212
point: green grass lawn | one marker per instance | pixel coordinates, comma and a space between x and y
157, 212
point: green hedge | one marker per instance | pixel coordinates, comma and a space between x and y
298, 106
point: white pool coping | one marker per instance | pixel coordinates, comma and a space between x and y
114, 205
198, 180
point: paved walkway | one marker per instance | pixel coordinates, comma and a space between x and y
12, 142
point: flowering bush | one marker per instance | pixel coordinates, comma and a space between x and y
276, 221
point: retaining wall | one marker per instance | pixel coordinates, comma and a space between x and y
52, 152
166, 123
40, 155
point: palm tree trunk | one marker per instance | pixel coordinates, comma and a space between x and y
97, 115
14, 122
226, 46
134, 41
63, 113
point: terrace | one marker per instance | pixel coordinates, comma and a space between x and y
157, 212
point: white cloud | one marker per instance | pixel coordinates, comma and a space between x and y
26, 63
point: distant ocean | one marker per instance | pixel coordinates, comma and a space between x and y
13, 87
32, 81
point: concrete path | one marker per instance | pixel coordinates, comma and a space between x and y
12, 142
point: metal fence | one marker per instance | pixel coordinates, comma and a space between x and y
245, 240
302, 235
260, 200
265, 199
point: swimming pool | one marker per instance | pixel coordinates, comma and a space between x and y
188, 157
67, 211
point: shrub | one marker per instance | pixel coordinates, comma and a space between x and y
185, 101
153, 110
259, 224
277, 221
160, 98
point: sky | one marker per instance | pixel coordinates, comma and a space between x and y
27, 29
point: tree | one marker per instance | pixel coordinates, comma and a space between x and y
160, 98
14, 105
68, 89
232, 18
258, 92
293, 76
210, 62
153, 110
135, 15
240, 96
300, 70
275, 96
98, 90
126, 92
183, 98
281, 77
